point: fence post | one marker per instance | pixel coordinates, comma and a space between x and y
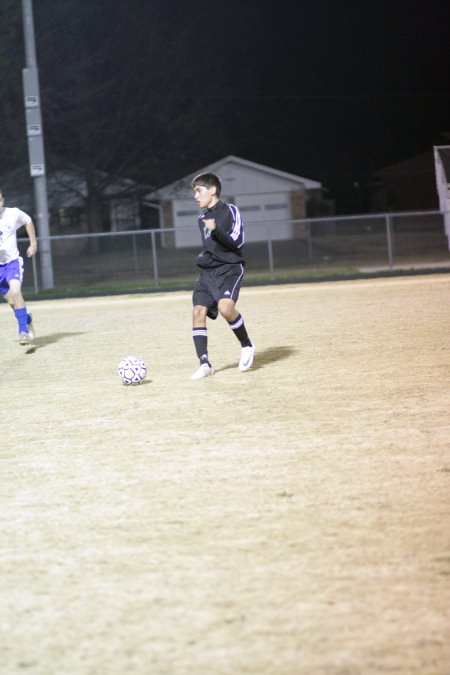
309, 238
155, 259
135, 255
270, 251
389, 240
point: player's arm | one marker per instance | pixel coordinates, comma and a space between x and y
230, 233
31, 232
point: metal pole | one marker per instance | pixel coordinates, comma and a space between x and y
310, 244
135, 253
36, 144
35, 275
154, 258
270, 251
389, 240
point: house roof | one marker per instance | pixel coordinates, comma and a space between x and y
418, 164
182, 188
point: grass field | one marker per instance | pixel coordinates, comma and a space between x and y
291, 520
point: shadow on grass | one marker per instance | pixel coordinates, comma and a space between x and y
46, 340
136, 385
265, 357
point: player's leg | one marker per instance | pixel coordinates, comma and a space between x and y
236, 322
16, 301
201, 301
230, 288
200, 337
11, 288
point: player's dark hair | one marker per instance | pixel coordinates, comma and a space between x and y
208, 180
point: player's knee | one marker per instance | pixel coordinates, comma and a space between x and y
199, 313
227, 309
13, 298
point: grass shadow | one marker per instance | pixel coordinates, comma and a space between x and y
142, 383
271, 355
265, 357
46, 340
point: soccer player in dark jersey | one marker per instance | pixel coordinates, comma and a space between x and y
222, 270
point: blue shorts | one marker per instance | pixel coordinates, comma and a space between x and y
9, 271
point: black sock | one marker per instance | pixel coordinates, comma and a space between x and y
200, 336
239, 329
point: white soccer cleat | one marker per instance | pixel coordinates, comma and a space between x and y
204, 371
24, 338
247, 354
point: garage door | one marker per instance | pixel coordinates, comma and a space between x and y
271, 209
260, 213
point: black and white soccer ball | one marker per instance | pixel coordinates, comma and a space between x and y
131, 370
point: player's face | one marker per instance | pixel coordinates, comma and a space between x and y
204, 196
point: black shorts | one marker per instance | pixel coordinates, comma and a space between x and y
217, 283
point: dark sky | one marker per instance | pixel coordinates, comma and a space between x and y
342, 84
328, 89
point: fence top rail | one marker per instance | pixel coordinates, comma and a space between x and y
89, 235
310, 221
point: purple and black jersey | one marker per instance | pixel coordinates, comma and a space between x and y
222, 246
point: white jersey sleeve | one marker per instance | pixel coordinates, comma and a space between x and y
11, 221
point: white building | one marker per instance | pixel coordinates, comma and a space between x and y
118, 200
262, 193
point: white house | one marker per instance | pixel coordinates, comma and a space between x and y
67, 197
263, 194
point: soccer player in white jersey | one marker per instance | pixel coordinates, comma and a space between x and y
11, 265
222, 270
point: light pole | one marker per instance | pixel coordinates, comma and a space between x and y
32, 102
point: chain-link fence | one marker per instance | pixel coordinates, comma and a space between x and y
336, 246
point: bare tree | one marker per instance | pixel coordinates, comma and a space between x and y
118, 92
129, 89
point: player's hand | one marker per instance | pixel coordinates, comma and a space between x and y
32, 250
210, 223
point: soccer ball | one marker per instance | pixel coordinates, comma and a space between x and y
131, 370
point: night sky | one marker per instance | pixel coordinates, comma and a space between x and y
328, 89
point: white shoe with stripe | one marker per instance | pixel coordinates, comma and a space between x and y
247, 355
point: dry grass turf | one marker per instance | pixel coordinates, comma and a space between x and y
291, 520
